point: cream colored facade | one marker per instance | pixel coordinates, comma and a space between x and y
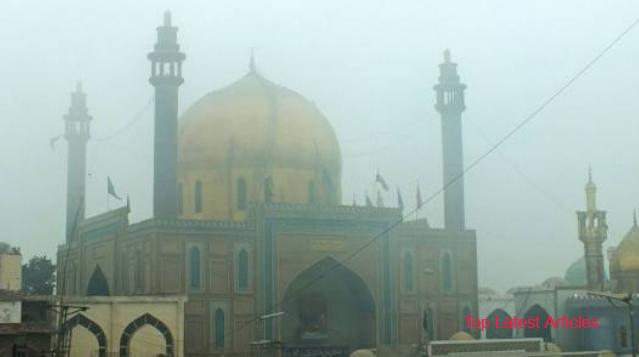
142, 325
11, 272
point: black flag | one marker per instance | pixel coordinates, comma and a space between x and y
111, 189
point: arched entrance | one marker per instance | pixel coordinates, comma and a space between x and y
92, 327
542, 331
501, 333
328, 306
137, 324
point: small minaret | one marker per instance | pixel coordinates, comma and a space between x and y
166, 77
450, 105
593, 231
77, 133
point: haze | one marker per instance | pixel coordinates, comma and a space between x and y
370, 67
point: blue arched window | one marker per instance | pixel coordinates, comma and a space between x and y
463, 320
241, 193
409, 272
198, 197
243, 270
219, 329
195, 267
447, 273
428, 322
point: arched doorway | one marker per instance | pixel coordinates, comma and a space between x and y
499, 333
91, 327
328, 305
542, 331
137, 324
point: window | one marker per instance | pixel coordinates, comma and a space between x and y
463, 322
241, 193
195, 268
219, 329
428, 322
447, 273
198, 197
180, 200
243, 270
268, 190
409, 271
623, 337
311, 192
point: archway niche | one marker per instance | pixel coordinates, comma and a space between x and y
329, 305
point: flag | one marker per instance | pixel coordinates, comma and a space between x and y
53, 140
369, 203
380, 201
400, 200
381, 180
111, 189
419, 197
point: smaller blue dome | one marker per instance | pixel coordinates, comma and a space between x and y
576, 273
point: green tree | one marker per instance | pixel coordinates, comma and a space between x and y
38, 276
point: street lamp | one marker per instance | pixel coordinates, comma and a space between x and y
262, 341
626, 299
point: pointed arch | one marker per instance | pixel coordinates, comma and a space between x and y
243, 270
534, 312
338, 306
464, 325
94, 328
220, 329
447, 273
98, 284
135, 325
499, 333
194, 268
408, 267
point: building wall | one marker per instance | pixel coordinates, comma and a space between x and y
116, 315
11, 272
154, 257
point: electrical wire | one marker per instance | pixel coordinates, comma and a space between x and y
456, 178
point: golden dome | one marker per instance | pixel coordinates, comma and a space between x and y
626, 256
461, 336
255, 141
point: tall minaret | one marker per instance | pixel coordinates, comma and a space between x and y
166, 77
450, 105
77, 133
593, 231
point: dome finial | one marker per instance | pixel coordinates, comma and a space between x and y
634, 217
252, 66
447, 55
589, 173
167, 18
78, 86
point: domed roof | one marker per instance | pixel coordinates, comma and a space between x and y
626, 256
461, 336
362, 353
552, 347
257, 131
576, 273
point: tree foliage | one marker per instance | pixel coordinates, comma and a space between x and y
38, 276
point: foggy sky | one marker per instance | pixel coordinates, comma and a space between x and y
370, 67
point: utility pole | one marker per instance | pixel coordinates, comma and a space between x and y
626, 299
